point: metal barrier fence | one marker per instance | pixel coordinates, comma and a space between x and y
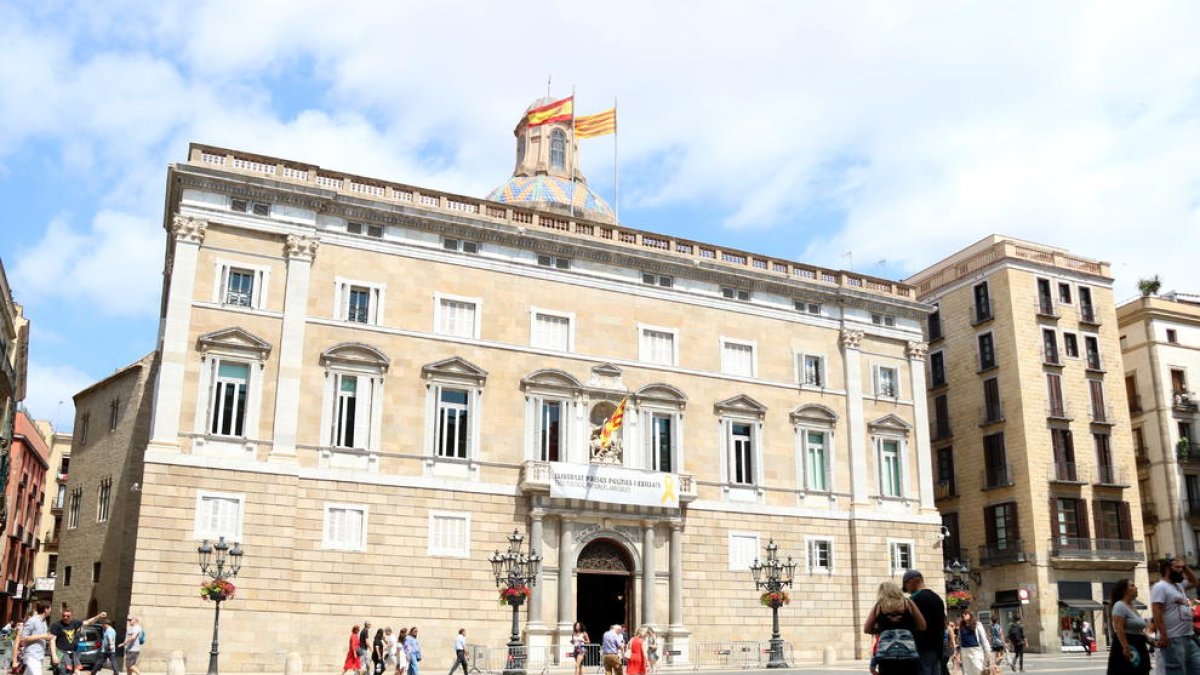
485, 659
735, 654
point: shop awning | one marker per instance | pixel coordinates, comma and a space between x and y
1005, 605
1082, 604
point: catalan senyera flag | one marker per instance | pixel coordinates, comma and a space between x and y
558, 111
600, 124
612, 424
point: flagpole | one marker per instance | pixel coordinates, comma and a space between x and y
574, 152
616, 168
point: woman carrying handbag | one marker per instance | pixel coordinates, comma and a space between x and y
973, 647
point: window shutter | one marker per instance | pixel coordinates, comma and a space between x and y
676, 432
1014, 525
364, 399
989, 523
1081, 518
1098, 519
646, 424
1054, 515
1126, 526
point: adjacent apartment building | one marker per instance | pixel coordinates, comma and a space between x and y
1033, 454
14, 358
45, 566
1160, 341
369, 385
25, 496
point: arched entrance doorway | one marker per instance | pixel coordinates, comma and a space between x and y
603, 587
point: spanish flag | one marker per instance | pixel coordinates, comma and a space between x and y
558, 111
612, 424
600, 124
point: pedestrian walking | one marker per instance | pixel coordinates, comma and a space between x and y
66, 639
353, 662
636, 658
108, 649
413, 645
377, 653
933, 609
996, 637
1019, 643
364, 647
1087, 637
973, 646
579, 643
651, 650
1130, 656
401, 652
1173, 618
612, 646
135, 637
34, 637
460, 652
895, 619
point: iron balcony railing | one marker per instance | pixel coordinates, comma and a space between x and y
1110, 475
944, 489
997, 476
1001, 553
1059, 410
1066, 472
1045, 307
1087, 313
1096, 549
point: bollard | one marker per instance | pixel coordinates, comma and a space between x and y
829, 657
176, 665
294, 665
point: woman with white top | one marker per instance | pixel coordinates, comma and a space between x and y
579, 641
1132, 657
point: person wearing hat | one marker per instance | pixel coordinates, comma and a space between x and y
929, 641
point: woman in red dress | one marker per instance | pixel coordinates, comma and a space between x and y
353, 663
637, 654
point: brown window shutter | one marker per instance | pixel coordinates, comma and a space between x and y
1081, 518
989, 523
1126, 525
1098, 519
1054, 515
1014, 527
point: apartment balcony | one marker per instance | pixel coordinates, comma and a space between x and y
43, 584
537, 476
1103, 414
944, 489
991, 414
1002, 553
1046, 309
1092, 363
1066, 472
1135, 404
1084, 550
1111, 476
1051, 357
939, 430
1087, 314
982, 313
1059, 411
1183, 401
996, 476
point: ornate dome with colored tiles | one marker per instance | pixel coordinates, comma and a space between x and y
553, 193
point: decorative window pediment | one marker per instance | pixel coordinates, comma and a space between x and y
660, 392
890, 423
606, 376
234, 340
550, 378
815, 414
740, 405
356, 356
454, 368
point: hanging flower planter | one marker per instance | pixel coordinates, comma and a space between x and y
959, 600
218, 591
514, 596
774, 600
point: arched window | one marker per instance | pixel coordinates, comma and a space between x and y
558, 149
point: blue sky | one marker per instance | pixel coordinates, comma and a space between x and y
899, 131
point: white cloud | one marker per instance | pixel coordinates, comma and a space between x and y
49, 391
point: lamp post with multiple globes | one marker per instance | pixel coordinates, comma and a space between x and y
772, 576
225, 565
515, 571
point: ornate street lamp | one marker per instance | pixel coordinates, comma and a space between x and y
515, 571
779, 575
225, 566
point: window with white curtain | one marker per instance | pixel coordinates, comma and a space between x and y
743, 551
658, 346
218, 515
457, 317
551, 331
360, 302
449, 534
737, 358
345, 527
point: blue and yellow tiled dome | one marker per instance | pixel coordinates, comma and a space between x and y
554, 193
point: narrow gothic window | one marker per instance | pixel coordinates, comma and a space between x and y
558, 149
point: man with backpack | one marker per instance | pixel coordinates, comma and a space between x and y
933, 609
135, 637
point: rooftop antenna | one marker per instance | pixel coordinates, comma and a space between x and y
548, 78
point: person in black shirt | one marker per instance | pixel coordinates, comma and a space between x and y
929, 641
1018, 643
66, 639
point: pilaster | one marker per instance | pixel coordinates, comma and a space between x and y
299, 252
566, 573
678, 636
649, 569
851, 341
916, 370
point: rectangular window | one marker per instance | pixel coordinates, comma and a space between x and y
96, 572
552, 437
73, 512
358, 307
552, 331
1071, 345
346, 412
345, 527
231, 389
735, 294
993, 409
1112, 525
554, 261
941, 416
807, 307
1050, 346
1064, 293
1178, 383
945, 473
247, 206
995, 461
658, 346
1063, 446
460, 245
741, 460
1087, 312
891, 481
453, 430
816, 461
883, 320
887, 383
1099, 409
1172, 336
812, 370
239, 288
935, 324
657, 280
67, 575
662, 441
1070, 523
937, 369
987, 352
1106, 471
457, 317
820, 555
82, 428
1000, 522
114, 413
743, 551
901, 557
218, 515
952, 544
103, 497
737, 358
449, 534
1057, 406
983, 303
1045, 300
1091, 347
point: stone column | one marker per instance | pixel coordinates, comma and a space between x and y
856, 431
566, 585
677, 633
648, 573
539, 586
920, 441
299, 252
188, 234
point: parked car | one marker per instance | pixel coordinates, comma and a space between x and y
88, 645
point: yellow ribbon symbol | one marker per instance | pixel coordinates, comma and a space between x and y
669, 495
